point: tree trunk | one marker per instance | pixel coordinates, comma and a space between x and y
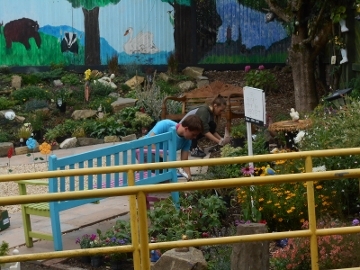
183, 33
303, 72
92, 36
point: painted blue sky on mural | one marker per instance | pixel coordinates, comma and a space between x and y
255, 31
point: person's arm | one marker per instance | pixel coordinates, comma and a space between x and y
185, 156
213, 137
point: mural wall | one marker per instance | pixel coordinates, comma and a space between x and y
82, 32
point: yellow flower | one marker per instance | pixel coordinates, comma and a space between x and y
45, 148
318, 187
280, 219
87, 74
261, 199
302, 220
268, 202
289, 211
260, 209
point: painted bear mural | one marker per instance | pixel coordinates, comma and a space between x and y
22, 30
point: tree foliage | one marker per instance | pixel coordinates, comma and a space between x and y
90, 4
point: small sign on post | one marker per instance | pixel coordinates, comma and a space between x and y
255, 112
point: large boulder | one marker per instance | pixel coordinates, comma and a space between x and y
122, 103
192, 259
83, 114
193, 72
68, 143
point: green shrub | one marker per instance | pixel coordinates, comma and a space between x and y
4, 136
262, 79
105, 103
6, 103
30, 79
199, 213
167, 88
30, 92
35, 104
100, 90
107, 126
71, 79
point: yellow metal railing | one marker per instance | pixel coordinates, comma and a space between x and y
140, 245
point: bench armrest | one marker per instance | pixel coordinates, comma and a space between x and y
23, 183
164, 112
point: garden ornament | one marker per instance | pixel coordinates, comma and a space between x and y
344, 56
343, 27
10, 115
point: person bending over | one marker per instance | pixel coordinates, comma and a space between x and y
188, 129
209, 115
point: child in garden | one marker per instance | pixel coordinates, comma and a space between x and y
209, 115
188, 129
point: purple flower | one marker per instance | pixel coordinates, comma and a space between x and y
355, 222
92, 237
247, 68
247, 171
77, 241
261, 67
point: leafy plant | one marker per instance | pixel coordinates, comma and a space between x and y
338, 14
4, 248
6, 103
199, 216
30, 92
107, 126
239, 130
128, 114
25, 131
85, 240
262, 79
142, 120
71, 79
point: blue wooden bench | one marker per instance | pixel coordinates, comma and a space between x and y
120, 154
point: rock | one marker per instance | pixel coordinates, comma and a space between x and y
57, 83
191, 260
4, 147
121, 103
186, 86
202, 81
83, 114
134, 81
84, 141
115, 95
128, 138
165, 77
16, 81
21, 150
193, 72
250, 255
109, 139
68, 143
5, 113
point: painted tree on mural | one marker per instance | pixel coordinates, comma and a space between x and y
311, 23
190, 46
91, 22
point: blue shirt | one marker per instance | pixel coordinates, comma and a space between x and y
165, 126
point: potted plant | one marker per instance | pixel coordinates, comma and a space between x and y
238, 134
84, 242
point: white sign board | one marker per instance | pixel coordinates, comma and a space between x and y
254, 105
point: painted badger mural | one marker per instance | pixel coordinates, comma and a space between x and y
22, 30
69, 43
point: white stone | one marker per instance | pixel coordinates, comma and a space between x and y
68, 143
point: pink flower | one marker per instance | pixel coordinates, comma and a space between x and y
247, 171
261, 67
247, 68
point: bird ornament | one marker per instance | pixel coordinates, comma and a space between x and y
294, 115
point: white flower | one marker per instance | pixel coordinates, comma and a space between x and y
299, 136
319, 169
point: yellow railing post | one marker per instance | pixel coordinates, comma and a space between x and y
134, 222
143, 228
312, 216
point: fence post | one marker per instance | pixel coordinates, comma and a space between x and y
250, 255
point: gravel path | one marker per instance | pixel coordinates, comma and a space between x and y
11, 188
